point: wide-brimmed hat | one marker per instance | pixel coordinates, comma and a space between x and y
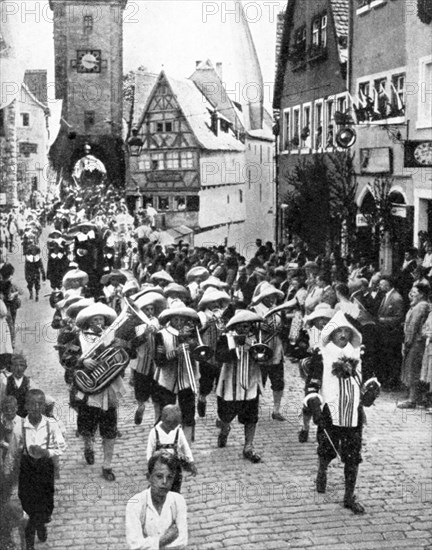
244, 316
161, 275
54, 235
214, 282
145, 289
75, 275
114, 274
260, 271
71, 300
72, 292
178, 309
211, 295
154, 299
197, 272
263, 290
98, 308
338, 321
80, 304
311, 265
321, 310
132, 284
174, 288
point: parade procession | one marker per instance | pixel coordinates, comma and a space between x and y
196, 349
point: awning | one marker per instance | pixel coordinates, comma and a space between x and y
175, 234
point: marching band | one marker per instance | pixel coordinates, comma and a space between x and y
184, 338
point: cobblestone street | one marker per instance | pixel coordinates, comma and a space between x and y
232, 503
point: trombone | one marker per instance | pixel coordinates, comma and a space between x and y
189, 369
201, 352
188, 364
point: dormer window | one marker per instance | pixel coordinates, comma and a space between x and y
224, 126
319, 31
324, 31
316, 32
300, 39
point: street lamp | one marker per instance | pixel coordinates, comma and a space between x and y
135, 144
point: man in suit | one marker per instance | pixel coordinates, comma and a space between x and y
390, 325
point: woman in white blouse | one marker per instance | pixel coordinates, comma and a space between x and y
156, 517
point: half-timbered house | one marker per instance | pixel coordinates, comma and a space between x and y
193, 164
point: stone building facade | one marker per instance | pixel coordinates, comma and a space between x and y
88, 42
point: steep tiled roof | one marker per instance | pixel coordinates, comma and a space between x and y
144, 84
340, 9
196, 108
194, 105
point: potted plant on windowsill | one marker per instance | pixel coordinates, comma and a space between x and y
305, 133
295, 142
317, 52
297, 56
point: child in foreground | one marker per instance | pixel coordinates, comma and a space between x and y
168, 435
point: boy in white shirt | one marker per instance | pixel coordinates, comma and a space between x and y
157, 517
168, 435
42, 441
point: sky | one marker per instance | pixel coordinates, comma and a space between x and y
168, 34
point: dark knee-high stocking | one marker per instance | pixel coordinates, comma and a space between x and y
351, 471
321, 480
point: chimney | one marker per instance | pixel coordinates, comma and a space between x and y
214, 122
219, 69
197, 63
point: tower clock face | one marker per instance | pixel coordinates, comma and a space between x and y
89, 61
423, 153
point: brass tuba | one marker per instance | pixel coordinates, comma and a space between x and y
111, 358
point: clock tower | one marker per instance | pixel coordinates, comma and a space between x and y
88, 46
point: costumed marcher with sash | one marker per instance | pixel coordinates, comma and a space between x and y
97, 410
211, 306
336, 374
58, 261
87, 252
33, 270
264, 299
151, 304
176, 372
42, 441
240, 380
314, 324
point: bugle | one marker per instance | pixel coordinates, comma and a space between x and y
261, 353
201, 352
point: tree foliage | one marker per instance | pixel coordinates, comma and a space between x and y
321, 201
